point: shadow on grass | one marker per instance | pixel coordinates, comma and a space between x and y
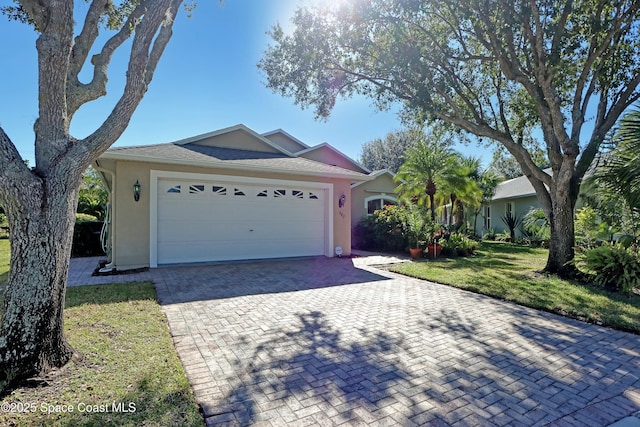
139, 406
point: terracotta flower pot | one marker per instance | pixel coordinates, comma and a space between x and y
415, 252
433, 251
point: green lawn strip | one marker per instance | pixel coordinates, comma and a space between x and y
4, 261
128, 358
511, 273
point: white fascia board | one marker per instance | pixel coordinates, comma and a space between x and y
353, 176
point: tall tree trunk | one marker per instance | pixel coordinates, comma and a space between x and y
41, 232
561, 221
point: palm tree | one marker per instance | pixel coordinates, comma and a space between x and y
487, 182
620, 171
615, 184
464, 186
424, 170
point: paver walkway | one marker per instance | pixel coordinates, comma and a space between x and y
339, 342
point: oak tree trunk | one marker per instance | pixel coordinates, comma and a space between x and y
41, 232
561, 220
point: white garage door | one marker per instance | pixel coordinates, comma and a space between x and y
202, 221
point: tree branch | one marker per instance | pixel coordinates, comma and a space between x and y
80, 94
54, 48
158, 19
14, 173
38, 12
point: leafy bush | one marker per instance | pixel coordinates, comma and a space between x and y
503, 237
86, 239
612, 266
589, 229
458, 245
82, 217
385, 230
489, 235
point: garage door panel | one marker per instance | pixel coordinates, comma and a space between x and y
240, 221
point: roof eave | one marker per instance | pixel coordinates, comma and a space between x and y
355, 176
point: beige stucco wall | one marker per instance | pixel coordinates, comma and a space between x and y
131, 221
383, 184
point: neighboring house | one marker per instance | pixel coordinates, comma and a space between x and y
516, 196
226, 195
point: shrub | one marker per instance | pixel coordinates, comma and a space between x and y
612, 266
458, 245
503, 237
385, 230
83, 217
489, 235
512, 222
86, 239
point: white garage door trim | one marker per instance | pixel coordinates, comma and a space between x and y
156, 175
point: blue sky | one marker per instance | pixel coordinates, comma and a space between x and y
206, 80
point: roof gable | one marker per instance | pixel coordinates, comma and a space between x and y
382, 175
285, 140
325, 153
237, 137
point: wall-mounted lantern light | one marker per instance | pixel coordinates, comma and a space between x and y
136, 191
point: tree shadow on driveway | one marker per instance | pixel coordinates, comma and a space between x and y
313, 372
453, 369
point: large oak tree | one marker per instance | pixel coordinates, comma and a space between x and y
40, 202
497, 69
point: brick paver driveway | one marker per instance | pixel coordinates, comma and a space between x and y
321, 342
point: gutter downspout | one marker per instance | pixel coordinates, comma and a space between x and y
110, 266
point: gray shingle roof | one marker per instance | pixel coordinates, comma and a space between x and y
515, 188
200, 155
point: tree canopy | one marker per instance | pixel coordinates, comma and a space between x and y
388, 152
498, 70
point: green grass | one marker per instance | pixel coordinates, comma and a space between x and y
511, 272
4, 261
128, 358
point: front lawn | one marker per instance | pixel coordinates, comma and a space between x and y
4, 261
511, 272
129, 373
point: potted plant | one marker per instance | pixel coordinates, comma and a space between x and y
433, 247
419, 230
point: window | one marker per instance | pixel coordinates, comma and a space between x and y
509, 208
297, 194
279, 193
313, 196
238, 192
487, 217
175, 189
263, 193
374, 203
